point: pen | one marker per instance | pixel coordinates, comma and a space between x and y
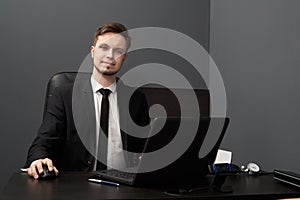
103, 182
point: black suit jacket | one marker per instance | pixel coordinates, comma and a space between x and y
68, 131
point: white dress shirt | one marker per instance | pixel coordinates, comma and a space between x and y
115, 155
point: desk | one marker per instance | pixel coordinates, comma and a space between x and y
74, 186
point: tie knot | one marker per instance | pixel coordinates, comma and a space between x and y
105, 92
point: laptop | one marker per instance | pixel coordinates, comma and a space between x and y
171, 153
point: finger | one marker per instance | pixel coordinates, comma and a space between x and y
32, 170
39, 166
56, 171
34, 173
49, 163
29, 171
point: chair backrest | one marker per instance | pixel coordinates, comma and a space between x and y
56, 80
154, 95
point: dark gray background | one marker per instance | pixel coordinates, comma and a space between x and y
255, 44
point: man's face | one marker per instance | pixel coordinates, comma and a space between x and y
109, 53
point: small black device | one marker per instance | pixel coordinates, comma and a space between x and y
221, 170
287, 177
224, 168
46, 174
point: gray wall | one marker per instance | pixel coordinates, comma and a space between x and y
40, 38
256, 45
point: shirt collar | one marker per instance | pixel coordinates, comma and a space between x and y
96, 86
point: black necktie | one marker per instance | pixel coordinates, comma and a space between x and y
102, 143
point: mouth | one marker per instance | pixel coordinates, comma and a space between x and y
108, 63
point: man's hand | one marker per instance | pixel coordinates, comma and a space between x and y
36, 167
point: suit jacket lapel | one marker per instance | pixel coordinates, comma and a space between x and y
84, 111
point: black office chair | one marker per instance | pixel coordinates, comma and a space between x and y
56, 80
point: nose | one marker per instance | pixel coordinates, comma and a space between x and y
110, 54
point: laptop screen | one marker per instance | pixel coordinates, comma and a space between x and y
182, 141
174, 148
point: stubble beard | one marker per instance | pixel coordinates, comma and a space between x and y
103, 72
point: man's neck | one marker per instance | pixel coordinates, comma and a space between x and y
104, 80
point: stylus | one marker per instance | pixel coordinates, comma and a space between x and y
103, 182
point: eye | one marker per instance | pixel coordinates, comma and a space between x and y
119, 51
104, 47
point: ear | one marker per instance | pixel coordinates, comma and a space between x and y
92, 51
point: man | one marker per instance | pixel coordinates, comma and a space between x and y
70, 135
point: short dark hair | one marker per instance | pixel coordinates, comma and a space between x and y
113, 27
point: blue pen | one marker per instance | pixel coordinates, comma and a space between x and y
103, 182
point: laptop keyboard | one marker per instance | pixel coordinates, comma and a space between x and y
120, 174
